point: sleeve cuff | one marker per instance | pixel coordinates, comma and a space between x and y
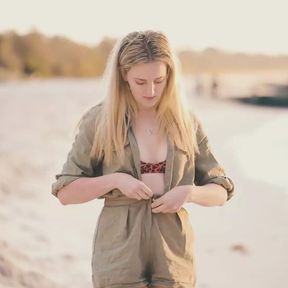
225, 182
62, 180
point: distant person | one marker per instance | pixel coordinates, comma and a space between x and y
143, 152
199, 89
214, 88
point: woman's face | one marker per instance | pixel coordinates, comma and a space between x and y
147, 82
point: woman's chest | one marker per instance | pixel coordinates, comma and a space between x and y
151, 147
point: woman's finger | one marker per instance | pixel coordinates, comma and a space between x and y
142, 194
147, 190
136, 195
157, 202
159, 209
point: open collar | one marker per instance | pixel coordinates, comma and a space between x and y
136, 158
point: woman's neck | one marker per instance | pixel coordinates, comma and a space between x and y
147, 114
146, 120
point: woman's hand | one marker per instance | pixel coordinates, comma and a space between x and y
172, 201
132, 187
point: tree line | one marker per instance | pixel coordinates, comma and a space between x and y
36, 55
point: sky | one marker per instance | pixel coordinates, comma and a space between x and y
255, 26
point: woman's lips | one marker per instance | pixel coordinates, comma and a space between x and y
149, 98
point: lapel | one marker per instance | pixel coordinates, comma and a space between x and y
169, 165
134, 151
136, 158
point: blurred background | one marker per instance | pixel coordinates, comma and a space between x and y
234, 59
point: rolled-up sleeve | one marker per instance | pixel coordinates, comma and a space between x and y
79, 162
207, 168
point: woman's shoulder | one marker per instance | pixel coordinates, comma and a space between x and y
88, 120
93, 112
197, 126
194, 118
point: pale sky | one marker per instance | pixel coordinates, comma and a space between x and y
233, 25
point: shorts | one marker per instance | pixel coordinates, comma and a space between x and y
134, 247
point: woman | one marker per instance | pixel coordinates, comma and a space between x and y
143, 152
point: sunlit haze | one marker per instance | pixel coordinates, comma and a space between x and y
244, 26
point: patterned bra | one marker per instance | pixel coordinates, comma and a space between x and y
152, 168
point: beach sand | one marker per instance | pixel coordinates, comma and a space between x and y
45, 244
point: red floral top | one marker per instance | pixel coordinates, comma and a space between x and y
152, 168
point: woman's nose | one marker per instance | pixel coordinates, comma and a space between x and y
150, 92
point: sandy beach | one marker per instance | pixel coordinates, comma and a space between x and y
46, 245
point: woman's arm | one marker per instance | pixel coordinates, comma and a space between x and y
207, 195
86, 189
208, 171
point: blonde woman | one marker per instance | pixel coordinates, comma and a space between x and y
143, 152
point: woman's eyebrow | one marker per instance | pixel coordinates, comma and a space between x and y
136, 78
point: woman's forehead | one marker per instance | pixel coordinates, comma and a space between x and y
148, 70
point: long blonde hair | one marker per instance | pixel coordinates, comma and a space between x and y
173, 118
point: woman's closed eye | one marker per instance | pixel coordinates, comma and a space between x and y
156, 82
159, 81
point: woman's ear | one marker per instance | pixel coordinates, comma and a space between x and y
123, 74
